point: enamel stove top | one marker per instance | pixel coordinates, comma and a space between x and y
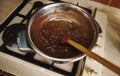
27, 62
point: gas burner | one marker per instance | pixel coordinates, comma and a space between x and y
9, 36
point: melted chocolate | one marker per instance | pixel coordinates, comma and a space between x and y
48, 31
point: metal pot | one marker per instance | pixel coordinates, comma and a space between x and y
80, 14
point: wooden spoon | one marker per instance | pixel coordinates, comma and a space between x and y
101, 60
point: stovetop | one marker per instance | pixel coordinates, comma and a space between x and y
16, 23
9, 34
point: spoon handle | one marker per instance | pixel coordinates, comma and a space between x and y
101, 60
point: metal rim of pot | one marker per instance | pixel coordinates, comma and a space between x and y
31, 20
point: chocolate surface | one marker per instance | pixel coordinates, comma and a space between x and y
49, 30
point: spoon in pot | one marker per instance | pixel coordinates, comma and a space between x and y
101, 60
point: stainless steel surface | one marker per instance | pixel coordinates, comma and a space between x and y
61, 7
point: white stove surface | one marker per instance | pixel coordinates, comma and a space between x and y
92, 68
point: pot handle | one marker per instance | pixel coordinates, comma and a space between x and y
22, 42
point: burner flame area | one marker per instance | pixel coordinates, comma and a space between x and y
10, 34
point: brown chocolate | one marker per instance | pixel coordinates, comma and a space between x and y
48, 31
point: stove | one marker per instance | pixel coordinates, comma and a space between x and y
27, 61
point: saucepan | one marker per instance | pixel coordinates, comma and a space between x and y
54, 22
